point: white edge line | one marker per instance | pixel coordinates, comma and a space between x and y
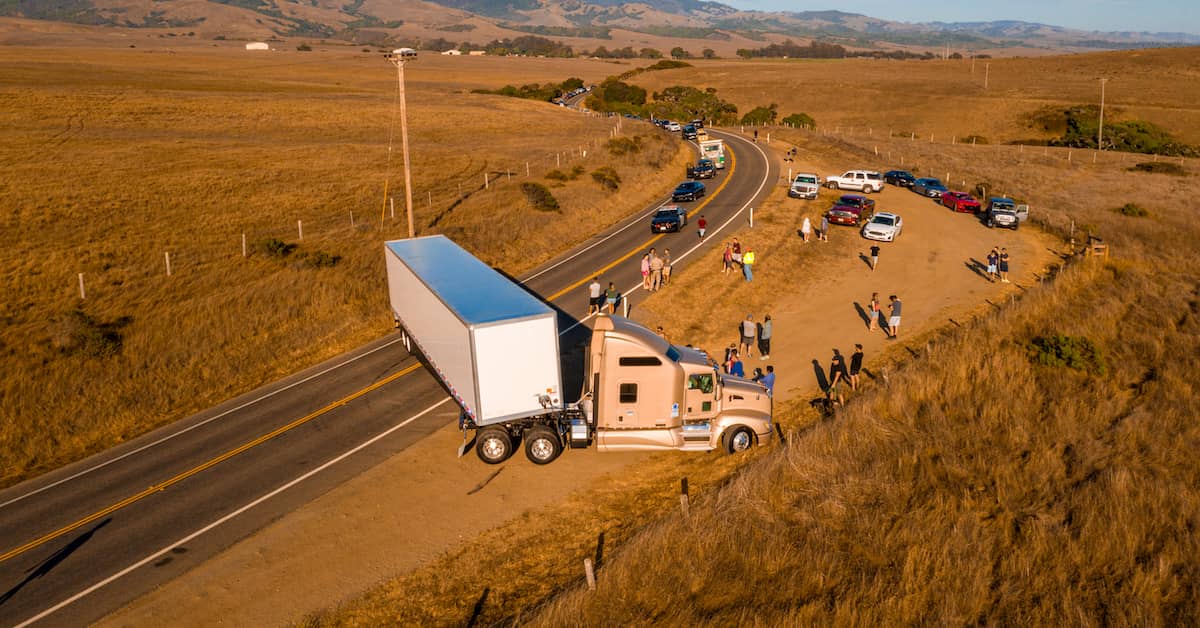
340, 457
346, 454
195, 425
105, 582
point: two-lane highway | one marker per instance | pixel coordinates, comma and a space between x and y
79, 542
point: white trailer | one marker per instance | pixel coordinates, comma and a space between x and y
492, 344
714, 150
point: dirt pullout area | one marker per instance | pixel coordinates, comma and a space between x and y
419, 504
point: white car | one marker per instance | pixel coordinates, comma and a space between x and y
883, 226
674, 126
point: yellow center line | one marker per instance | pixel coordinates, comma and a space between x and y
653, 239
207, 465
162, 486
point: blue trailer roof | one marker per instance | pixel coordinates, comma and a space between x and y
476, 292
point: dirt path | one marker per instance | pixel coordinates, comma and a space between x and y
419, 504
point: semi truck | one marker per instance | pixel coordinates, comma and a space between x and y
495, 348
714, 150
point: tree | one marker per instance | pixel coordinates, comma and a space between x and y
649, 53
761, 115
708, 53
800, 121
679, 53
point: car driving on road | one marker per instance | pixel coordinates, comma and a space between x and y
852, 210
688, 191
884, 226
960, 202
669, 218
928, 186
899, 178
704, 169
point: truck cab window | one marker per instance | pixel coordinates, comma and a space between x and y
628, 393
703, 383
640, 361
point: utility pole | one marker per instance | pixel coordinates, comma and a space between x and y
399, 57
1100, 130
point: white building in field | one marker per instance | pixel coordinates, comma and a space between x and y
257, 45
452, 53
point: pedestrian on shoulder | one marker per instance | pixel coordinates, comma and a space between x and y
768, 380
856, 360
894, 320
764, 338
873, 321
666, 269
806, 229
727, 259
610, 298
656, 271
993, 259
646, 271
702, 225
737, 252
824, 233
837, 378
748, 261
1004, 265
748, 329
874, 256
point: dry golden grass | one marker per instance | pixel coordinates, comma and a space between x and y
972, 486
112, 158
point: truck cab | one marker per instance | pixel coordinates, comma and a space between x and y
648, 394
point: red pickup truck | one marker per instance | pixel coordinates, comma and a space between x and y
851, 209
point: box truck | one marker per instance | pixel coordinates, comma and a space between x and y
495, 348
714, 150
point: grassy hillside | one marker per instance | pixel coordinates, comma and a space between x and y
1032, 465
114, 159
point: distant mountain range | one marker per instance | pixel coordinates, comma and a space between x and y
573, 21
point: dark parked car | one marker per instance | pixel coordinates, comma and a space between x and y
851, 209
689, 132
960, 202
670, 218
929, 187
688, 191
704, 169
901, 178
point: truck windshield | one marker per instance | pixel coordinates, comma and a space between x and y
806, 179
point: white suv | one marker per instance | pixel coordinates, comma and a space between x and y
865, 181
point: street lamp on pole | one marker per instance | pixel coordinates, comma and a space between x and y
1100, 130
399, 57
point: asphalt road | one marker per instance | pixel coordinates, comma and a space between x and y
82, 541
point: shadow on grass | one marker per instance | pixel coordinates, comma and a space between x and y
979, 268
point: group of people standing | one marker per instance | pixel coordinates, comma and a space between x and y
840, 376
600, 299
997, 265
873, 315
734, 257
656, 270
806, 229
751, 335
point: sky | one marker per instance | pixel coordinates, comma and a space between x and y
1099, 15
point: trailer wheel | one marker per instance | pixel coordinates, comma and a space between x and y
740, 438
542, 445
493, 445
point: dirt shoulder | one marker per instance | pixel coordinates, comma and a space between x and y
419, 505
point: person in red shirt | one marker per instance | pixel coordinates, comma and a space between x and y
703, 225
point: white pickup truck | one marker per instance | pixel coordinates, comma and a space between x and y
865, 181
805, 185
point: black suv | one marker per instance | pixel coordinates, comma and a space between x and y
901, 178
670, 218
689, 132
688, 191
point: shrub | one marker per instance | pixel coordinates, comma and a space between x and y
539, 196
974, 139
80, 334
800, 121
1132, 209
1159, 167
761, 115
1074, 352
619, 146
304, 48
319, 259
558, 175
607, 177
274, 247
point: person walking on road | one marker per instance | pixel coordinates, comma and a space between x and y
764, 338
874, 256
856, 360
594, 298
873, 313
1004, 265
702, 226
823, 234
806, 229
993, 258
894, 319
748, 329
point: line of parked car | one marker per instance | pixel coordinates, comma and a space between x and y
998, 211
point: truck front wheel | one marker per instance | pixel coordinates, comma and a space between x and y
493, 445
542, 445
740, 438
